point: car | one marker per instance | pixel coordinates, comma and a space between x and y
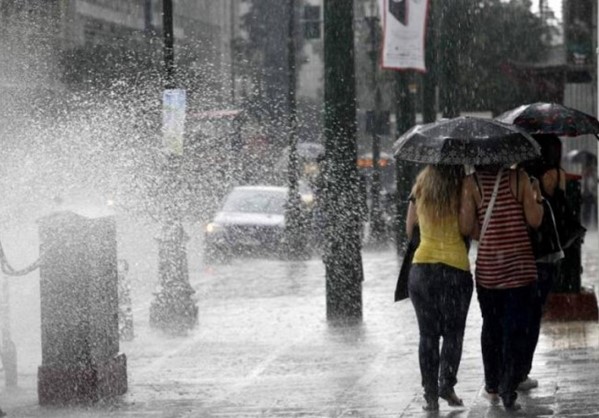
251, 221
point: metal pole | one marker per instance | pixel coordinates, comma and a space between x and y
449, 50
342, 256
168, 49
9, 349
429, 80
377, 227
173, 309
232, 46
404, 171
293, 224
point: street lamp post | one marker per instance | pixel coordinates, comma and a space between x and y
377, 227
173, 309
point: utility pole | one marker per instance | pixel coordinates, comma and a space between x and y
429, 79
169, 47
406, 118
233, 48
342, 256
173, 310
293, 212
404, 171
449, 50
377, 226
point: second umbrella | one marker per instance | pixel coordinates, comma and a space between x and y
551, 118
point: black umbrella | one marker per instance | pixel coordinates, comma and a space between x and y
551, 118
466, 140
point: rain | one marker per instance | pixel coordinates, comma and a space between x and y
205, 202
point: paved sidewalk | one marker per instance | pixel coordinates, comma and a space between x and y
264, 349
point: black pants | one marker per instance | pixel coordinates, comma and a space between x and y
546, 273
504, 339
441, 297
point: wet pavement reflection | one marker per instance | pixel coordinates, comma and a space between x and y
263, 348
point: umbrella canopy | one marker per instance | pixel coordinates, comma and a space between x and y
551, 118
466, 140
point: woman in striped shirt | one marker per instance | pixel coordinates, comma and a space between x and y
505, 274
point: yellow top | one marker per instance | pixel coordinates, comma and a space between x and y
441, 242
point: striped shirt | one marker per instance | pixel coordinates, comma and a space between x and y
505, 258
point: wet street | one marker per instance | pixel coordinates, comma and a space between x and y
263, 348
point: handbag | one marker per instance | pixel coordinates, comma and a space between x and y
545, 239
401, 288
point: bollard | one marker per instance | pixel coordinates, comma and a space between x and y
81, 362
9, 349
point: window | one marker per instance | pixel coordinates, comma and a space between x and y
311, 22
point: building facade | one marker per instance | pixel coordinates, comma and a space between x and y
61, 44
580, 43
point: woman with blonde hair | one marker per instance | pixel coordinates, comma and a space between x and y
440, 284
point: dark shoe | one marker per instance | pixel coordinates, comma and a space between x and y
512, 406
431, 405
509, 401
451, 398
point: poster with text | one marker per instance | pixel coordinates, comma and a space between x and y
404, 29
173, 120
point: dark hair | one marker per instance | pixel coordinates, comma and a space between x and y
551, 150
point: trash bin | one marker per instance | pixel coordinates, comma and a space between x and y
79, 310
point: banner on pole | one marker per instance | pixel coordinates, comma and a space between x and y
404, 31
173, 120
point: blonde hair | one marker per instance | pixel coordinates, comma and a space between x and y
437, 190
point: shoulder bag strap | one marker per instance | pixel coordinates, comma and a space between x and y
490, 207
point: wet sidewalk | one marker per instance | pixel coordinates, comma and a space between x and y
264, 349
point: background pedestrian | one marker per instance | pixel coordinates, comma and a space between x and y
552, 180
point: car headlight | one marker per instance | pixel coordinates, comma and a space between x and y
213, 228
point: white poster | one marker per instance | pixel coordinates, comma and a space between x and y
404, 29
173, 120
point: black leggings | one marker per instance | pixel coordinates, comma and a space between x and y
441, 297
504, 339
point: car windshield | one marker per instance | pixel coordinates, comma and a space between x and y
256, 201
